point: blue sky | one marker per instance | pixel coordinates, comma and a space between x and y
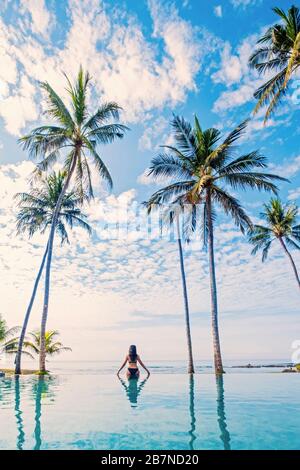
153, 57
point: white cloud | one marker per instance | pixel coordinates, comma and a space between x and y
294, 194
235, 75
154, 134
39, 17
233, 99
218, 11
244, 3
19, 107
113, 290
125, 65
288, 169
144, 179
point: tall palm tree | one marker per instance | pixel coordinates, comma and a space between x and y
278, 52
171, 214
76, 134
281, 225
36, 213
201, 167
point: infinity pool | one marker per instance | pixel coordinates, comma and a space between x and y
76, 411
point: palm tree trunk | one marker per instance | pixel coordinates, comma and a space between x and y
26, 319
42, 358
291, 260
213, 289
191, 369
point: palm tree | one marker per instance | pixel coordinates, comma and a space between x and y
201, 167
280, 225
77, 133
53, 346
7, 336
279, 51
172, 214
36, 213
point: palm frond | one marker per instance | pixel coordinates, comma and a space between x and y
56, 107
166, 194
99, 164
107, 134
293, 61
220, 155
253, 180
232, 207
291, 243
244, 163
184, 136
104, 113
166, 166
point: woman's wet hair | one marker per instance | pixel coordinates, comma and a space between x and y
132, 353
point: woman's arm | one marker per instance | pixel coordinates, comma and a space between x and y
122, 366
143, 365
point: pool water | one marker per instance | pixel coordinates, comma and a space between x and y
167, 411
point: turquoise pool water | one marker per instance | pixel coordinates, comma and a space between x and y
168, 411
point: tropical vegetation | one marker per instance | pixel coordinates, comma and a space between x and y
278, 53
280, 225
200, 173
74, 136
7, 336
35, 214
201, 166
32, 342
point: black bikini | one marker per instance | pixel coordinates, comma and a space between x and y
133, 371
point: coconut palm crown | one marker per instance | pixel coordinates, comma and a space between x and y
278, 53
53, 346
76, 134
202, 164
281, 225
36, 208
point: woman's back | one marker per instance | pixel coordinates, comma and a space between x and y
132, 360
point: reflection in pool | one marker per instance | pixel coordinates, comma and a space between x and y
133, 388
238, 411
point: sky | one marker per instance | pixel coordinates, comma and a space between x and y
154, 58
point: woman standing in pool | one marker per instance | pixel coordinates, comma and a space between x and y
133, 359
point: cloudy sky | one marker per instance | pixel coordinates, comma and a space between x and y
153, 57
